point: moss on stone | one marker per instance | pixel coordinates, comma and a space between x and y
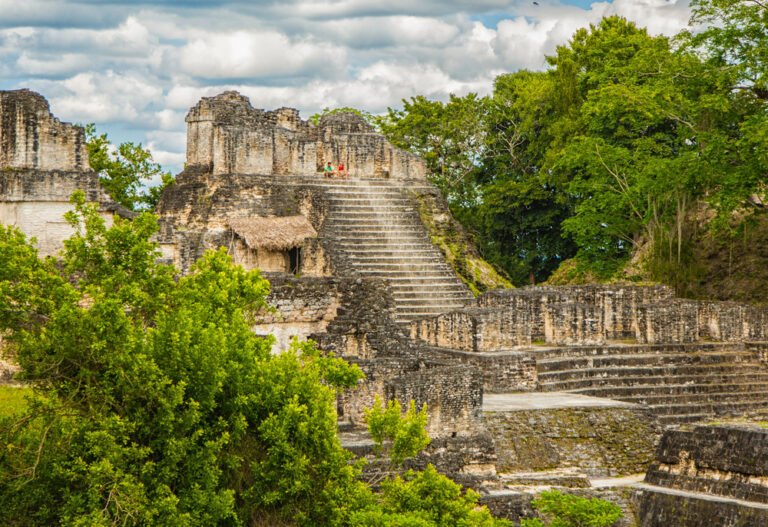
457, 247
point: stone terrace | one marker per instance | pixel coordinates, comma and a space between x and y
686, 361
377, 232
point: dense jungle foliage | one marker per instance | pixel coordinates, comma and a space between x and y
155, 404
628, 147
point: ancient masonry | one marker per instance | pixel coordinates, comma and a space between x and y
42, 162
545, 386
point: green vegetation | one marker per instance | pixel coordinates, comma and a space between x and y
402, 436
13, 400
627, 146
566, 510
155, 403
457, 247
125, 169
368, 117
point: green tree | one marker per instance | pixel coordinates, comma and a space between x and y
397, 435
369, 118
125, 170
155, 403
566, 510
520, 213
425, 499
449, 136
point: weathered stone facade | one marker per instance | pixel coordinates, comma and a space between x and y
363, 279
226, 135
31, 138
710, 475
42, 162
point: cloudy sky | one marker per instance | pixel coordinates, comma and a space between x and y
135, 68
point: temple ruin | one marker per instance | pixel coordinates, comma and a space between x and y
526, 388
42, 162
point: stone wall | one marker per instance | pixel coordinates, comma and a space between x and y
666, 509
352, 318
32, 138
453, 395
598, 441
589, 315
42, 162
195, 214
503, 372
708, 475
729, 461
226, 135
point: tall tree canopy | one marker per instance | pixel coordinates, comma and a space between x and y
125, 170
617, 146
155, 404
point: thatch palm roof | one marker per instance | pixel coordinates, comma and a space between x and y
273, 233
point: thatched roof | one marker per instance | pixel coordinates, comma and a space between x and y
273, 233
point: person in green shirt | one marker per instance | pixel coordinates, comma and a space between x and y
328, 171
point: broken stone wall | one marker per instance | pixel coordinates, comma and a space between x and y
503, 372
226, 135
32, 138
725, 463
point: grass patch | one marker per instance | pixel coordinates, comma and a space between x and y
12, 399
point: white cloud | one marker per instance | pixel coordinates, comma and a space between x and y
260, 54
105, 97
141, 65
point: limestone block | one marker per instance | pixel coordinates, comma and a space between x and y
675, 321
725, 463
32, 138
723, 321
570, 323
226, 135
453, 395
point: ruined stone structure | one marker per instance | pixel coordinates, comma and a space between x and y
525, 388
226, 135
708, 475
686, 360
42, 162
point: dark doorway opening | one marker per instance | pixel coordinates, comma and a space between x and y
294, 260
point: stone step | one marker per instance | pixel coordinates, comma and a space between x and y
390, 208
679, 419
377, 226
409, 294
687, 370
421, 302
363, 253
351, 220
618, 392
346, 200
403, 256
633, 349
381, 213
425, 286
403, 269
703, 398
575, 363
716, 409
351, 239
629, 381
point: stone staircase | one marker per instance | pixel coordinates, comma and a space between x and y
679, 382
378, 233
